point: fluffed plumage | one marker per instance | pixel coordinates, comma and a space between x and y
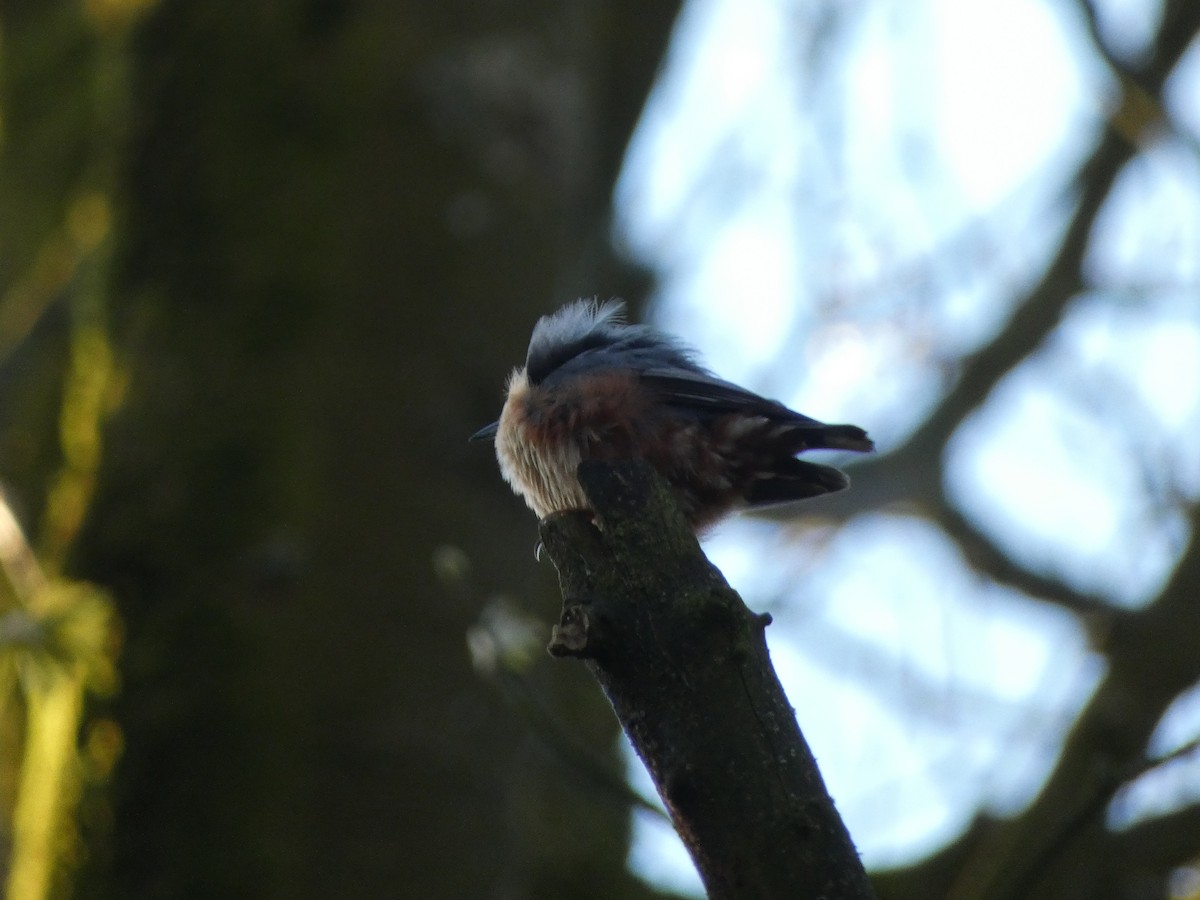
594, 387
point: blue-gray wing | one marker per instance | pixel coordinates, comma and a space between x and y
698, 393
702, 392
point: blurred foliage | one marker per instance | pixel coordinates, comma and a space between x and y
63, 95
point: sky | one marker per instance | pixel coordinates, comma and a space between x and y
795, 177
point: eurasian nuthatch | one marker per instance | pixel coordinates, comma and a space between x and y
594, 387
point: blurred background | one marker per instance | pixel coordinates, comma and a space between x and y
270, 627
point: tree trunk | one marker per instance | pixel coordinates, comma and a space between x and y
320, 197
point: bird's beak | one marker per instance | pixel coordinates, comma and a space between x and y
486, 433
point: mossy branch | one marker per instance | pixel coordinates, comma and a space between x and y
685, 665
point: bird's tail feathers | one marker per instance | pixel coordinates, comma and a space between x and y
795, 479
819, 436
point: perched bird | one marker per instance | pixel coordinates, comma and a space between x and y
594, 387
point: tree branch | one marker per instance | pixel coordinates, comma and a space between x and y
912, 473
1152, 658
1151, 652
983, 555
1161, 843
685, 665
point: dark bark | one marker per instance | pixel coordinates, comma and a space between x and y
686, 668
